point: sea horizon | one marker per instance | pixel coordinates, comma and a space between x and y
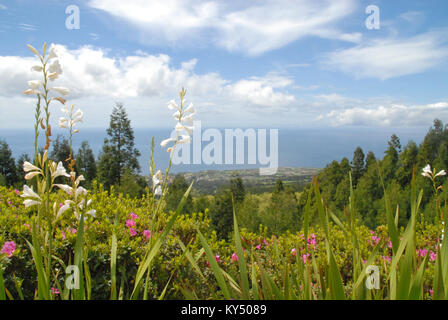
297, 147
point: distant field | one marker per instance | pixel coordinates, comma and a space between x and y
209, 181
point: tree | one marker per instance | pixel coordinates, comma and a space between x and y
357, 165
118, 154
430, 145
222, 214
282, 213
176, 191
85, 162
279, 186
389, 164
61, 149
7, 164
249, 213
132, 185
370, 159
237, 188
408, 161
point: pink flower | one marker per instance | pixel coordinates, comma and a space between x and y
61, 205
431, 292
73, 230
305, 257
422, 252
375, 240
132, 232
54, 290
147, 234
294, 252
17, 192
8, 248
217, 258
432, 256
63, 235
133, 216
258, 247
312, 241
389, 244
234, 257
386, 258
265, 243
130, 223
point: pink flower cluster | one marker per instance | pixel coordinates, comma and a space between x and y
8, 248
131, 224
423, 252
312, 241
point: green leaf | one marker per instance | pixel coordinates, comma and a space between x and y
217, 272
241, 260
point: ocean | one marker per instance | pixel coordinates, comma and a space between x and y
315, 147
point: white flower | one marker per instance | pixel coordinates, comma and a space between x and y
52, 52
29, 193
185, 139
441, 173
190, 109
188, 119
31, 175
165, 142
62, 209
176, 115
27, 166
173, 105
427, 171
34, 84
79, 179
77, 116
29, 203
91, 213
158, 191
36, 68
33, 87
80, 190
63, 123
31, 91
55, 67
157, 178
64, 187
60, 171
62, 90
179, 127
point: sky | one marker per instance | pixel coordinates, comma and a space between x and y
245, 63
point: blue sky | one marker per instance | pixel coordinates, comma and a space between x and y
250, 64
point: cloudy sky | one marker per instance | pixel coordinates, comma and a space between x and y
253, 63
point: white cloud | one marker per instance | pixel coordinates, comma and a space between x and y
261, 91
390, 115
389, 58
27, 27
97, 79
252, 27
